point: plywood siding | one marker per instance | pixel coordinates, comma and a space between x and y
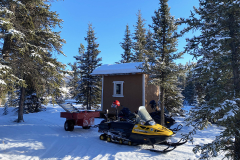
151, 93
132, 92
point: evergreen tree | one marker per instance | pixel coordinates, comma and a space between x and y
126, 45
73, 83
189, 91
150, 46
89, 86
7, 79
76, 74
217, 74
163, 70
140, 39
28, 46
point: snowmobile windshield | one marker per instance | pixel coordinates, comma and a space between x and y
144, 116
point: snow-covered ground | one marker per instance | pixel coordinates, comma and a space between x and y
42, 136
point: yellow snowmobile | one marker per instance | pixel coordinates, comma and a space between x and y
143, 130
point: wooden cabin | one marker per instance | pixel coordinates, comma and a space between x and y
127, 84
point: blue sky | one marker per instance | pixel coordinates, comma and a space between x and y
109, 19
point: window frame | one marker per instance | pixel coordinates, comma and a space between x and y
114, 89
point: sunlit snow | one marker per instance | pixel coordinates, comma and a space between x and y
42, 136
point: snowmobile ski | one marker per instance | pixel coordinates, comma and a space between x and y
179, 143
166, 150
170, 146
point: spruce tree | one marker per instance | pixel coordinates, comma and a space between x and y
90, 86
189, 91
163, 70
217, 74
140, 39
75, 77
28, 46
126, 45
7, 30
76, 74
150, 46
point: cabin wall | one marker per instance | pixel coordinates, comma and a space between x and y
132, 92
151, 93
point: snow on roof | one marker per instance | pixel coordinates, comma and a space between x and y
123, 68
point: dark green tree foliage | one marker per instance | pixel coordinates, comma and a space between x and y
189, 91
126, 45
76, 74
7, 79
28, 44
89, 86
150, 46
173, 99
140, 39
163, 70
217, 74
73, 83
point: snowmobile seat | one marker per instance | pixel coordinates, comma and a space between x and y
125, 113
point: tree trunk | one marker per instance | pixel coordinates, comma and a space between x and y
90, 98
162, 106
237, 147
21, 105
235, 70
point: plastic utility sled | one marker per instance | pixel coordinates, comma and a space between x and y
75, 117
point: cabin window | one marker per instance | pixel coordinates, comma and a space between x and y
118, 88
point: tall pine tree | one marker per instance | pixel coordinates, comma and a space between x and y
28, 45
140, 39
7, 30
76, 74
189, 90
73, 83
217, 74
90, 86
150, 47
163, 70
126, 45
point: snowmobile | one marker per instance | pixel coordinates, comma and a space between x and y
142, 130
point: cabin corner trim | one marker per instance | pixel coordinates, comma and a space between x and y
143, 89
